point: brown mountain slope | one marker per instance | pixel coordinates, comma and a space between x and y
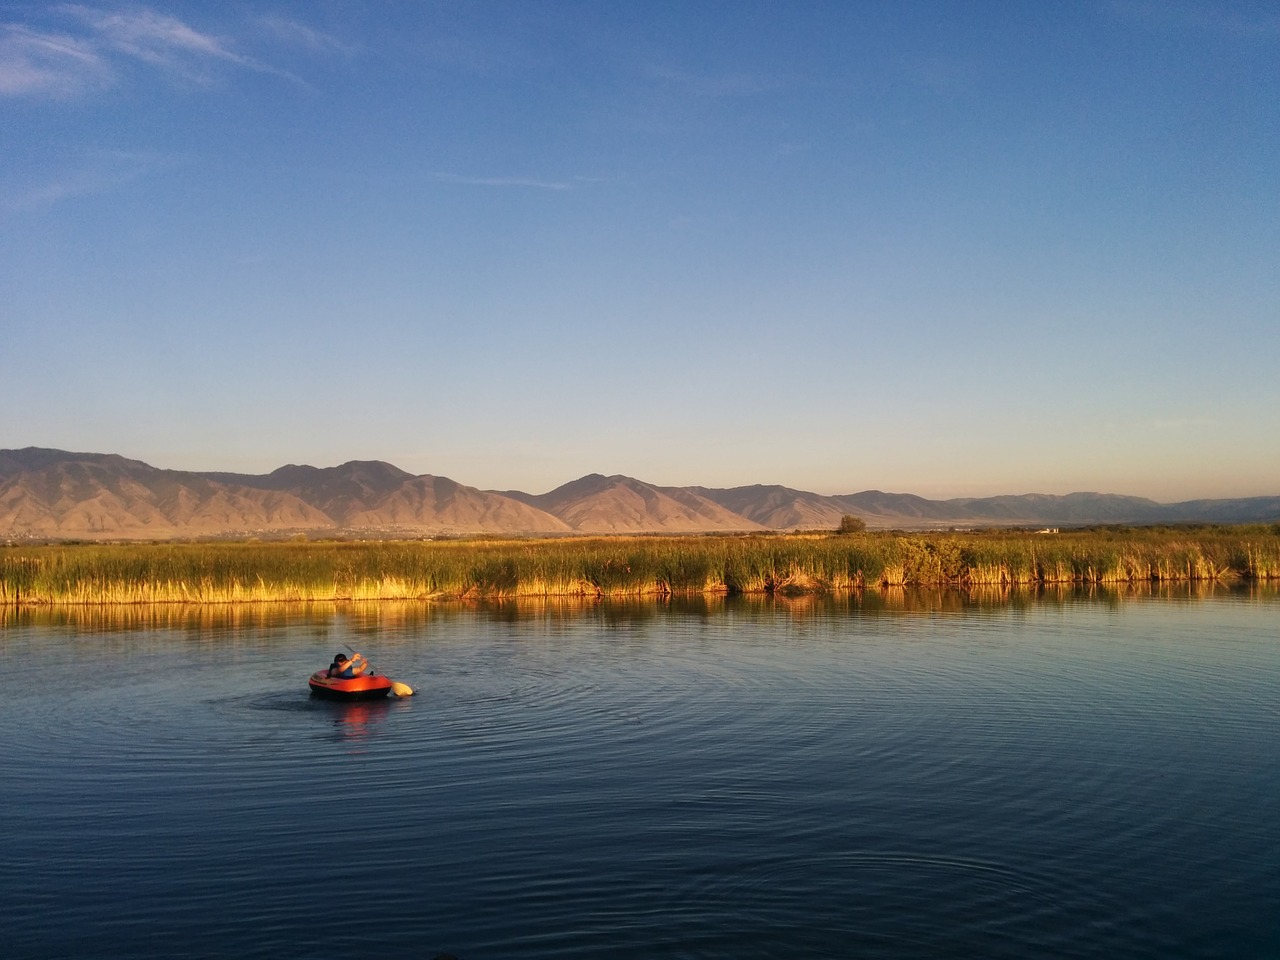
778, 508
338, 492
444, 506
617, 504
1071, 508
96, 496
370, 494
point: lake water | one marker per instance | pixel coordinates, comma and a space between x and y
911, 776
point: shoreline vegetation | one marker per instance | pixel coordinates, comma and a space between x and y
798, 564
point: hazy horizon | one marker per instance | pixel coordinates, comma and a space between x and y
946, 249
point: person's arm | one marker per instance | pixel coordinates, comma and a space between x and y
359, 665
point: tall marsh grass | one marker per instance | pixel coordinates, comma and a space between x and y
238, 572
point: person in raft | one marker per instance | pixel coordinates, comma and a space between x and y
345, 669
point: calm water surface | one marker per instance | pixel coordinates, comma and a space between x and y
1075, 777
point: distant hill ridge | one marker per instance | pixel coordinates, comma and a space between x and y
56, 494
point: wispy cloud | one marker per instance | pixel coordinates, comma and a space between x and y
300, 35
55, 65
165, 42
531, 182
96, 172
89, 51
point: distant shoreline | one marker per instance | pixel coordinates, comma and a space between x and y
648, 566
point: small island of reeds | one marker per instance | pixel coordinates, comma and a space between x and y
782, 564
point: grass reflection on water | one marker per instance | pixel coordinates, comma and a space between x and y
418, 616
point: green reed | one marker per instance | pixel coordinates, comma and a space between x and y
323, 571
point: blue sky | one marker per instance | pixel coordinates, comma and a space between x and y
943, 248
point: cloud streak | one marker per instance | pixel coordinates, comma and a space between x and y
57, 65
165, 42
98, 172
300, 35
529, 182
88, 54
710, 85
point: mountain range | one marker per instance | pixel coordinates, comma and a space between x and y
53, 494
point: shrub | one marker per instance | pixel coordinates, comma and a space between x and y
851, 524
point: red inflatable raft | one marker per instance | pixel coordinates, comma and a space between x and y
368, 687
